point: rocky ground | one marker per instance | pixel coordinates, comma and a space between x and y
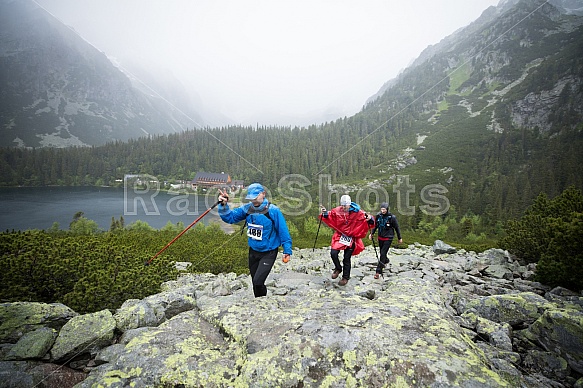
439, 318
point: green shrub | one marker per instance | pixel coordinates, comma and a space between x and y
83, 225
562, 263
549, 234
440, 232
177, 228
293, 230
473, 238
312, 225
91, 272
139, 225
476, 247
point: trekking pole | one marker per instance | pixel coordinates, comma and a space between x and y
375, 251
181, 233
317, 233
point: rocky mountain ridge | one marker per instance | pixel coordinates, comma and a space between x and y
58, 90
488, 16
440, 318
492, 102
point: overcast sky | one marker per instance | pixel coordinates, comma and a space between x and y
255, 60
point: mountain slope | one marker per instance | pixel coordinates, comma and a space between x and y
495, 112
58, 90
493, 115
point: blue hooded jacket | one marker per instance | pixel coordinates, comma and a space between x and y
275, 232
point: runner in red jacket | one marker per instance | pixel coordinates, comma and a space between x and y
350, 225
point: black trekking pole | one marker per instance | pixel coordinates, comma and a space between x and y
375, 252
181, 233
317, 233
375, 248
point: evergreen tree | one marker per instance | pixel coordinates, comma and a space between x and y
562, 263
550, 233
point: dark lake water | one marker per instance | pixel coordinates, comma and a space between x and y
39, 207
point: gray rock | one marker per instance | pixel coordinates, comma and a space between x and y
442, 321
292, 280
439, 248
135, 313
514, 309
131, 334
499, 271
182, 265
33, 345
84, 334
561, 332
494, 257
185, 350
19, 318
549, 364
109, 354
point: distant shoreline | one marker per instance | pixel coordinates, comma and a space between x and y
227, 228
42, 208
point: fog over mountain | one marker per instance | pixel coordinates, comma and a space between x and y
70, 80
267, 63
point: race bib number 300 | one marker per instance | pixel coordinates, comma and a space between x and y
345, 240
255, 232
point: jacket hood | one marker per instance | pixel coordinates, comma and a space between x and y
354, 207
263, 205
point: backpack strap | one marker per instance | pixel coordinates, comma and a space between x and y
265, 211
389, 220
251, 211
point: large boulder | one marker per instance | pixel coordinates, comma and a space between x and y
561, 332
135, 313
19, 318
33, 345
514, 309
439, 247
84, 334
184, 351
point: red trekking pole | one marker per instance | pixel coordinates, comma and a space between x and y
181, 233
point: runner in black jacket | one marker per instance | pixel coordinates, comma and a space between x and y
387, 225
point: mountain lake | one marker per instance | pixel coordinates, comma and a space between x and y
26, 208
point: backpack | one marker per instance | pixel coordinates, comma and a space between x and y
387, 222
265, 212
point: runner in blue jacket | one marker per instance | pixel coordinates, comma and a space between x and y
266, 232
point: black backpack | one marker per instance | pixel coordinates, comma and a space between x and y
389, 219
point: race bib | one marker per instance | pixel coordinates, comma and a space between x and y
345, 240
255, 232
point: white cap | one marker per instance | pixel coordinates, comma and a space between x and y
345, 200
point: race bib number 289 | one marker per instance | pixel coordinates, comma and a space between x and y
255, 232
345, 240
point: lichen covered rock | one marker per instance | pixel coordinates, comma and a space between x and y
19, 318
561, 331
84, 334
33, 345
432, 320
185, 350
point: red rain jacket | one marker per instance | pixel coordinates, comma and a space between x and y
351, 224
